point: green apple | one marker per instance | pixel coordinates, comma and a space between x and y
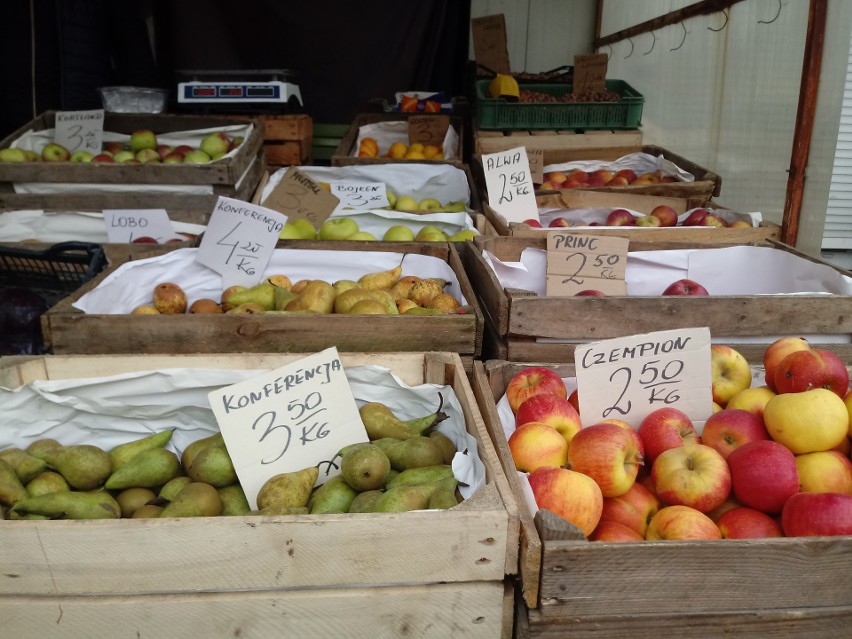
215, 144
391, 198
290, 232
53, 152
12, 155
123, 156
81, 156
338, 228
363, 236
463, 236
398, 233
431, 233
305, 228
455, 207
429, 204
142, 139
196, 157
31, 156
405, 203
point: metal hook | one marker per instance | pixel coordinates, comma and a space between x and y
724, 11
631, 48
609, 55
773, 19
653, 35
682, 41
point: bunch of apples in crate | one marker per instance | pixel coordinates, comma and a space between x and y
346, 228
579, 178
369, 148
661, 216
380, 293
771, 460
142, 148
406, 467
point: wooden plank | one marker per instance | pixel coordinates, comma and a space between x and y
473, 609
494, 141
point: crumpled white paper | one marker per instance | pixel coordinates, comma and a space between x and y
386, 133
583, 217
639, 162
132, 283
112, 410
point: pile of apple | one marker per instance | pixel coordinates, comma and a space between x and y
662, 215
771, 460
142, 149
346, 228
577, 178
369, 148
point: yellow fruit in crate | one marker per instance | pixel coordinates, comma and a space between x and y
417, 147
414, 155
397, 150
430, 151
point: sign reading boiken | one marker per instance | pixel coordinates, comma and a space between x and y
428, 129
79, 130
510, 188
489, 43
126, 226
627, 378
360, 195
239, 240
580, 262
589, 73
294, 417
300, 197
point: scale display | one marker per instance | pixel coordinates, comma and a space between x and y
236, 91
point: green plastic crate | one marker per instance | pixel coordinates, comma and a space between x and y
499, 113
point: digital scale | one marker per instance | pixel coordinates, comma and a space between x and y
272, 91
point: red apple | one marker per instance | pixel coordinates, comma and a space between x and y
578, 175
666, 214
825, 471
551, 410
648, 220
713, 220
763, 475
696, 476
685, 287
559, 222
620, 217
163, 150
113, 147
148, 155
681, 522
173, 158
747, 523
633, 509
730, 503
533, 223
618, 181
547, 185
590, 292
633, 433
666, 428
144, 239
695, 217
730, 373
730, 428
817, 514
574, 399
183, 149
103, 157
571, 495
614, 532
812, 368
533, 380
608, 454
535, 445
601, 177
555, 177
627, 174
777, 351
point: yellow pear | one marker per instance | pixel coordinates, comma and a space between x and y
381, 279
317, 295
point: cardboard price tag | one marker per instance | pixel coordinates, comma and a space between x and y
627, 378
589, 73
428, 129
510, 188
578, 262
293, 417
80, 130
125, 226
300, 197
536, 159
360, 195
489, 43
239, 241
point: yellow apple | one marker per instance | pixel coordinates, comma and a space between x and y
848, 401
824, 472
730, 373
534, 445
681, 522
752, 399
807, 422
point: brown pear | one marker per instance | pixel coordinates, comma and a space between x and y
424, 291
444, 302
204, 306
226, 296
169, 298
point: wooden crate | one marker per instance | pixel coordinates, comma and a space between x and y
345, 152
426, 574
755, 589
235, 177
287, 139
515, 318
69, 330
493, 141
586, 198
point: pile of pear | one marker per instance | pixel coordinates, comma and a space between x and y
380, 293
406, 465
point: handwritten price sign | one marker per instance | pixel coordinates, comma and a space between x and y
299, 197
428, 129
628, 377
294, 417
80, 130
355, 195
125, 226
509, 184
239, 241
578, 262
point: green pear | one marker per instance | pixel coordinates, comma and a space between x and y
422, 424
317, 295
47, 482
172, 487
465, 235
123, 453
197, 446
234, 502
132, 499
42, 447
422, 475
197, 499
380, 422
276, 509
213, 465
444, 496
262, 294
448, 448
150, 468
12, 490
288, 490
26, 466
405, 498
71, 505
340, 286
283, 297
366, 501
417, 310
334, 496
84, 467
365, 468
148, 511
411, 453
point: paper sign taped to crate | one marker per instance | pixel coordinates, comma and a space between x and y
510, 188
80, 130
428, 129
300, 197
291, 418
239, 241
360, 195
536, 159
589, 73
135, 225
627, 378
578, 262
489, 43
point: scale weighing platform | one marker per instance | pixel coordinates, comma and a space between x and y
239, 90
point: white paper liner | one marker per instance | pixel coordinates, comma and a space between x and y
378, 221
639, 162
386, 133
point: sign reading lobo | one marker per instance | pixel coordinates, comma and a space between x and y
239, 241
627, 378
293, 417
509, 184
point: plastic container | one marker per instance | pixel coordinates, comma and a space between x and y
123, 99
498, 113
